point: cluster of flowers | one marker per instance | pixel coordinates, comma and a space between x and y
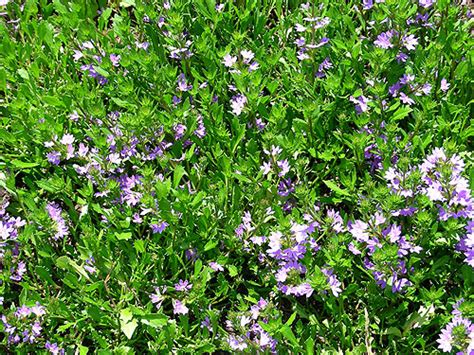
285, 187
107, 169
385, 250
90, 69
445, 185
442, 182
306, 42
372, 153
407, 81
287, 252
179, 305
458, 334
59, 223
24, 325
9, 245
245, 60
246, 333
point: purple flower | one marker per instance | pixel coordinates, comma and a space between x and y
444, 85
179, 307
409, 42
183, 286
182, 85
215, 266
361, 103
402, 57
229, 60
247, 56
59, 224
158, 228
384, 40
334, 283
459, 331
53, 348
200, 131
284, 167
406, 99
426, 3
142, 45
179, 131
54, 157
115, 59
238, 103
367, 4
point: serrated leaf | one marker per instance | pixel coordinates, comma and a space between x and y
233, 271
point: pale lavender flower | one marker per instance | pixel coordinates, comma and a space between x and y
409, 42
367, 4
115, 59
183, 286
247, 56
384, 40
142, 45
460, 330
361, 103
59, 224
215, 266
406, 99
229, 60
179, 307
67, 139
426, 3
284, 167
444, 85
254, 66
300, 28
182, 85
402, 57
266, 167
238, 103
77, 55
53, 348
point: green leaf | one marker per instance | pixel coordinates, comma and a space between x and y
394, 331
53, 101
177, 175
129, 328
401, 113
44, 275
333, 186
288, 334
210, 245
127, 323
123, 235
233, 271
290, 320
309, 346
23, 74
127, 3
62, 262
23, 165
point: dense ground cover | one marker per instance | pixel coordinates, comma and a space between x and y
257, 176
